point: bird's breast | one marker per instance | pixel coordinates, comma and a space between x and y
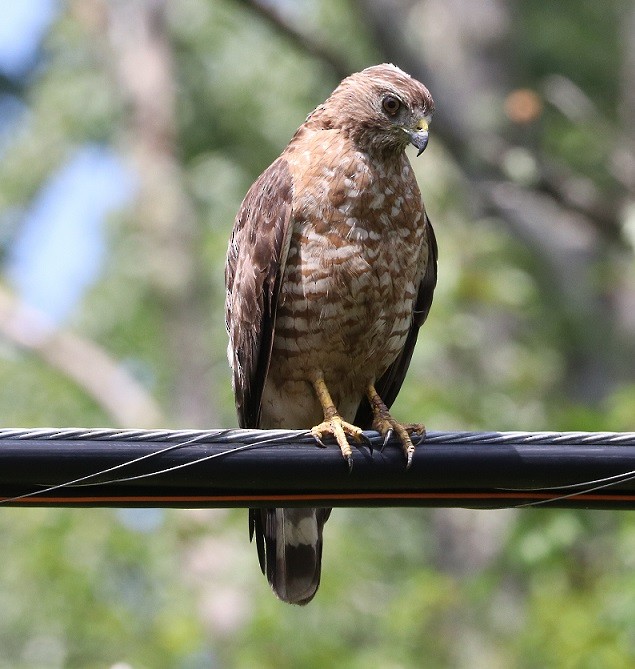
351, 275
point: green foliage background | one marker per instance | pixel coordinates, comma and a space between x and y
506, 348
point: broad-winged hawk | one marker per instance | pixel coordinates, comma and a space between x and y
330, 273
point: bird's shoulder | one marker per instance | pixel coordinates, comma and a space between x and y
313, 146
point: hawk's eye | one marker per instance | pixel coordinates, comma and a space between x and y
391, 105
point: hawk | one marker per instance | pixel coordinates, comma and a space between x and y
330, 272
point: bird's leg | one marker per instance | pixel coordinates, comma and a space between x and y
333, 423
385, 424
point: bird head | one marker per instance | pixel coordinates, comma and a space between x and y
382, 108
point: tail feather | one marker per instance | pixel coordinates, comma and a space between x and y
289, 543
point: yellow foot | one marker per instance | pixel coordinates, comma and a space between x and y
338, 428
333, 423
386, 425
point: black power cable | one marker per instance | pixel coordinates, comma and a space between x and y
240, 468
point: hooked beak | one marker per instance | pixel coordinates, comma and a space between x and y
419, 135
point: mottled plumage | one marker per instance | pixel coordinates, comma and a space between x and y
330, 273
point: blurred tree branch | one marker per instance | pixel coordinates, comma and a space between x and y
81, 360
299, 38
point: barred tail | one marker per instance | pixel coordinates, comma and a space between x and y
289, 543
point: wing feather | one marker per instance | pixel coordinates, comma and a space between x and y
256, 259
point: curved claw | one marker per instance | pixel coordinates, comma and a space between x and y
387, 438
365, 439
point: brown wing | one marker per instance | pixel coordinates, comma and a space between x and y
389, 384
255, 265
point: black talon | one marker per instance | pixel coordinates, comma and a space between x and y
387, 438
349, 459
320, 443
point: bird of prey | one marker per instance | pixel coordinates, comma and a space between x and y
330, 272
